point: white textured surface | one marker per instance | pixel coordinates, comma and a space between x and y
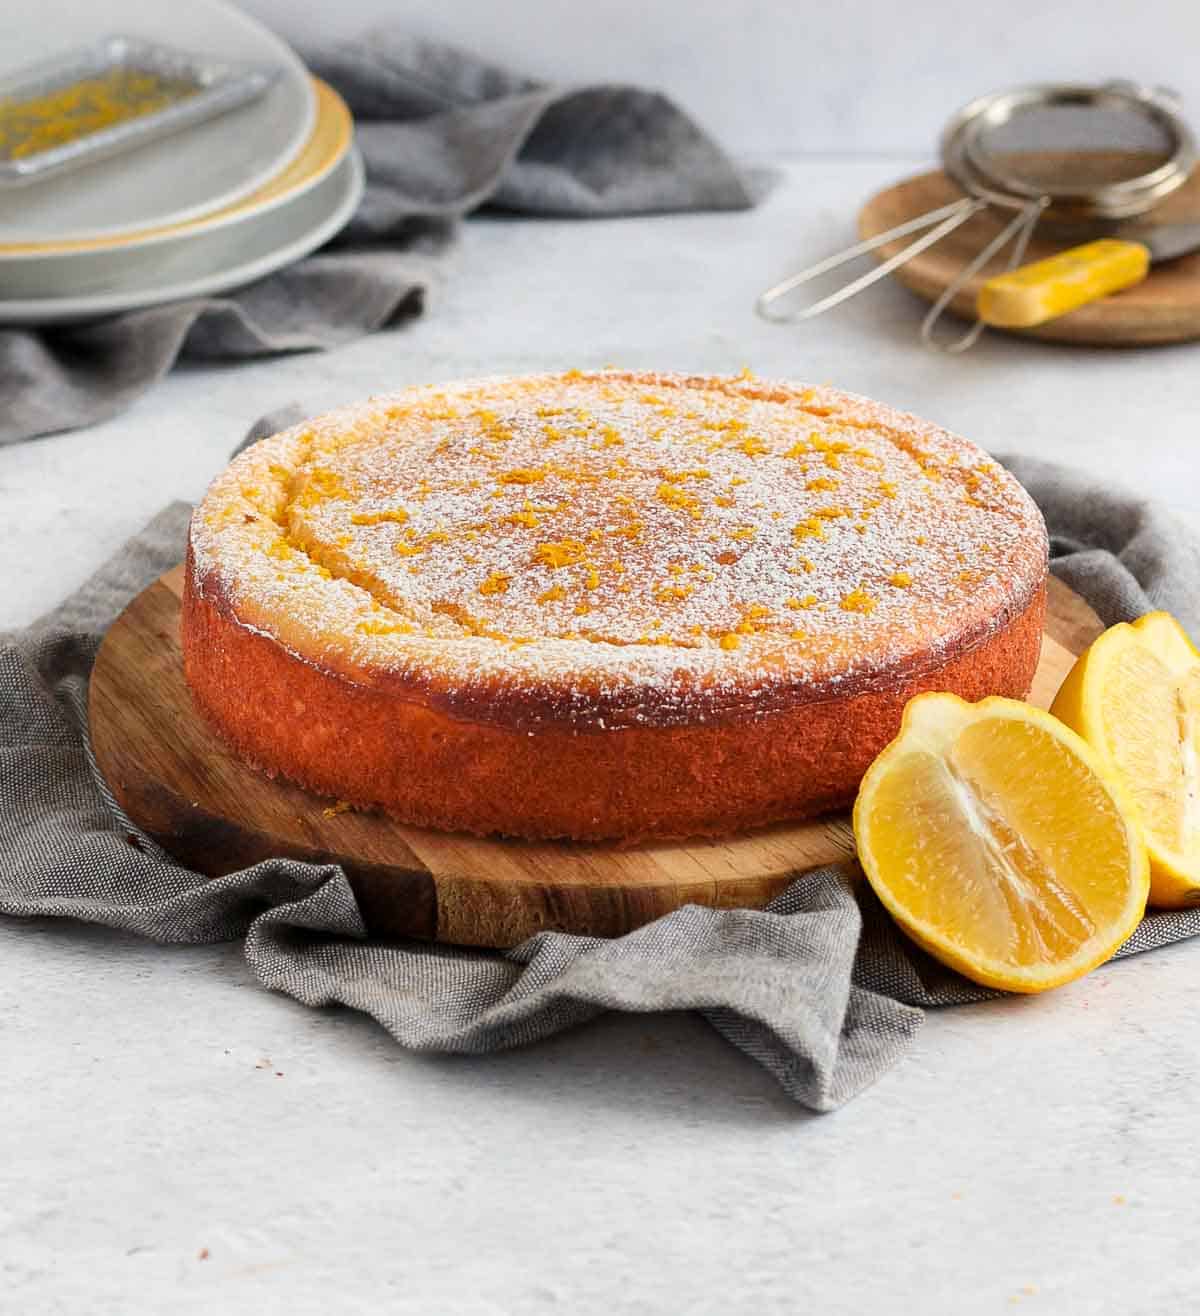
637, 1164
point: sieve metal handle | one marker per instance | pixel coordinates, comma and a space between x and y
940, 222
1020, 228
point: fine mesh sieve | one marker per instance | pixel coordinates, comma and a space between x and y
1077, 157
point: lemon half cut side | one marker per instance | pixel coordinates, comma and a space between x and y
1001, 843
1134, 696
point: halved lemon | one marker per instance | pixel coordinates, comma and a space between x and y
1134, 696
999, 842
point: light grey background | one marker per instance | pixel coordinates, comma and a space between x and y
800, 76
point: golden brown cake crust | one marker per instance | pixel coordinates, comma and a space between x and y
603, 605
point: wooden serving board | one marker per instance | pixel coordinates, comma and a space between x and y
178, 782
1163, 309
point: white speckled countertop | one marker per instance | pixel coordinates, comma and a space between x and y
174, 1138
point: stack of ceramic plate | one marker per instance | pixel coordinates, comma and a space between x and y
209, 208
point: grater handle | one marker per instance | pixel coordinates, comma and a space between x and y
1046, 289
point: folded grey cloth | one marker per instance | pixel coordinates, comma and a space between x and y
441, 133
820, 988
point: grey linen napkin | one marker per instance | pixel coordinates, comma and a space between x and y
442, 133
820, 988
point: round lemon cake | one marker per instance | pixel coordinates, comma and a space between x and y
603, 604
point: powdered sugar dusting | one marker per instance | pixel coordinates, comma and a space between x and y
652, 545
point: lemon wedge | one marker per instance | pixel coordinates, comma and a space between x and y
1001, 843
1134, 696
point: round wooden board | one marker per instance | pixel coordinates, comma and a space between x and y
1163, 309
179, 783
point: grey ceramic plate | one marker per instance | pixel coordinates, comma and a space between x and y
203, 263
190, 173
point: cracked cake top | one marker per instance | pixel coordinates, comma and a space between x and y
618, 545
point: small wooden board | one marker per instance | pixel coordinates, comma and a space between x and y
1163, 309
178, 782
